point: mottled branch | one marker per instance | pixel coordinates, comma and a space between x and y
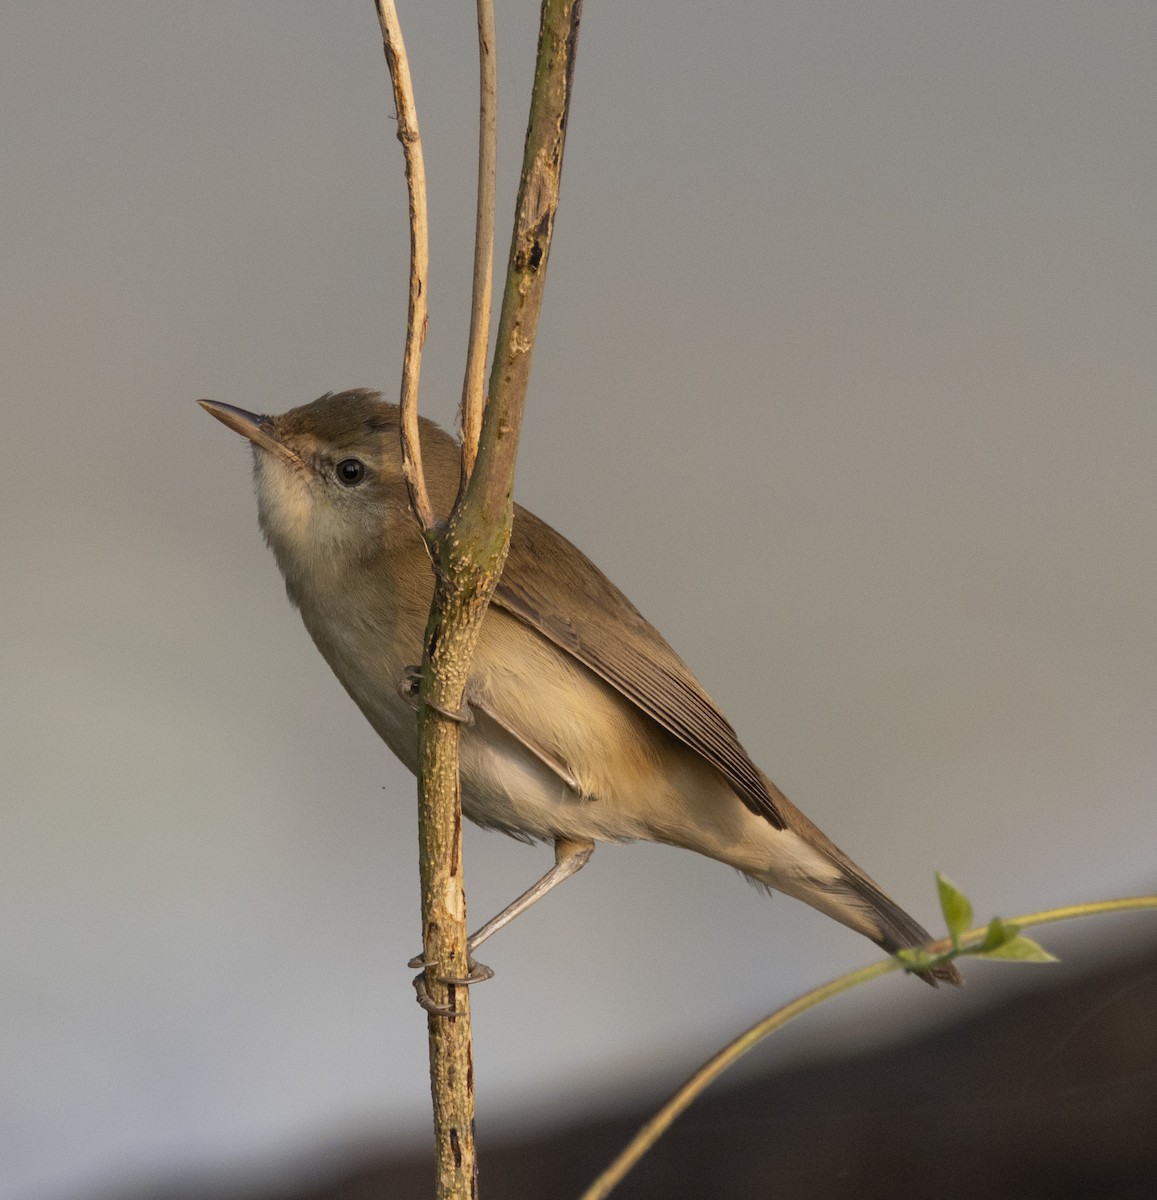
469, 553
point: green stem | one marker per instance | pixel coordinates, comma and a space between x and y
718, 1063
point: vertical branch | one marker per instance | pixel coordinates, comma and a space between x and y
417, 316
474, 384
468, 556
488, 499
439, 797
471, 552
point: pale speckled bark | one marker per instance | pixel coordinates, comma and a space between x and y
468, 556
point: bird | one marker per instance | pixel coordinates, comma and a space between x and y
584, 725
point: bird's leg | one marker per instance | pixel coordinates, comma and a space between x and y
570, 856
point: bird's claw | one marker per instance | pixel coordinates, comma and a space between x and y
408, 687
478, 973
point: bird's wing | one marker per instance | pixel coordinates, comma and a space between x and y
532, 747
556, 590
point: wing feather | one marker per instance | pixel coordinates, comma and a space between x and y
555, 589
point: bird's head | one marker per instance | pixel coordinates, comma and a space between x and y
328, 476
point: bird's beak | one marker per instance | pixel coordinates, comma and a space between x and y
258, 429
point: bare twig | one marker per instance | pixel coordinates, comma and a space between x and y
474, 384
468, 556
439, 808
417, 316
493, 479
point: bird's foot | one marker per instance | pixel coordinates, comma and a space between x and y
478, 973
408, 687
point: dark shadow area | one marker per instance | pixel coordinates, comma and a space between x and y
1050, 1094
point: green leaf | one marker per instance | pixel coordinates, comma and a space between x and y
996, 935
1020, 949
955, 906
914, 958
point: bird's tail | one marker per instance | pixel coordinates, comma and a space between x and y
855, 899
894, 929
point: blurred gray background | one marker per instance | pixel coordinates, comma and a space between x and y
846, 376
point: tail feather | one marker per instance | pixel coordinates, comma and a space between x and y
863, 904
896, 929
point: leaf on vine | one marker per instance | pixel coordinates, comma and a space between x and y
997, 934
955, 906
1019, 948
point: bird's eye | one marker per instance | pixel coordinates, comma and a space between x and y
350, 471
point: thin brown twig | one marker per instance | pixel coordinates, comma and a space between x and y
417, 316
468, 556
536, 206
468, 559
439, 802
474, 383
